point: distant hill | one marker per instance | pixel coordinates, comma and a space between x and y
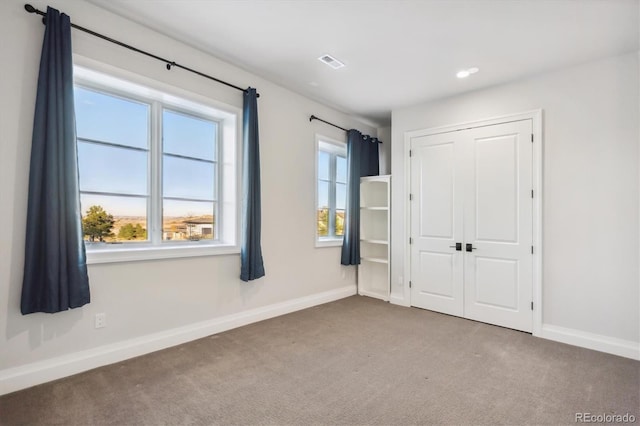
169, 222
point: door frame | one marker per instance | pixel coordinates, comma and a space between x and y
536, 117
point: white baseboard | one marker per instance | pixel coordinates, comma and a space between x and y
597, 342
399, 300
373, 295
25, 376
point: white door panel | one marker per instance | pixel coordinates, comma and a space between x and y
496, 188
437, 186
474, 186
437, 270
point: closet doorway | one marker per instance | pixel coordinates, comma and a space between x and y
472, 222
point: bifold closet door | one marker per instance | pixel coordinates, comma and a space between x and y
473, 188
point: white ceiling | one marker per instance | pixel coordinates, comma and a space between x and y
397, 53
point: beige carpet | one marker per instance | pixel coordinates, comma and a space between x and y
356, 361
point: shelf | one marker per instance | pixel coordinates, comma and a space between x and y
374, 259
364, 240
375, 208
375, 214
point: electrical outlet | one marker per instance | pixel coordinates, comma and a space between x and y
101, 320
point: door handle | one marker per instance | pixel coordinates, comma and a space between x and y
458, 247
470, 247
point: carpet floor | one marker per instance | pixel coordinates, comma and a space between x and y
356, 361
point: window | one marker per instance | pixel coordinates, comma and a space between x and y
158, 174
331, 190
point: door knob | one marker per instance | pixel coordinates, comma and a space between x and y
470, 247
458, 247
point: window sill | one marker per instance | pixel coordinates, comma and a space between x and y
329, 242
135, 254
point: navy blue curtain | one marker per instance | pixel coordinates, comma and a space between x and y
251, 265
55, 269
362, 160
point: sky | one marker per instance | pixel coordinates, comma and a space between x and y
125, 171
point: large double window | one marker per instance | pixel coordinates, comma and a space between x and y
331, 190
157, 172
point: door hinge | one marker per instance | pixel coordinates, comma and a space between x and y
532, 137
409, 284
410, 240
531, 249
532, 306
410, 153
532, 193
410, 197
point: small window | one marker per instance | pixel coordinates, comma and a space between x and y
151, 181
331, 166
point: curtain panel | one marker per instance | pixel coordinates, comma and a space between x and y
55, 269
362, 160
251, 263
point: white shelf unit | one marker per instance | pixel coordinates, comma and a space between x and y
374, 274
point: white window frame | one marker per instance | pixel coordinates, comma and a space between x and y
334, 147
113, 81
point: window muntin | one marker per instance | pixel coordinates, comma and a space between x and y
162, 176
331, 190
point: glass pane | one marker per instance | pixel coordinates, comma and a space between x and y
323, 165
113, 219
341, 196
339, 231
188, 178
323, 194
105, 168
188, 135
341, 169
188, 220
323, 222
111, 119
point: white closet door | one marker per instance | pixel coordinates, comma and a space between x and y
498, 210
474, 187
436, 223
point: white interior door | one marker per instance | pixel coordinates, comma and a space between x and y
436, 223
474, 187
498, 214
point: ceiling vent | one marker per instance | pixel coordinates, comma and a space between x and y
331, 61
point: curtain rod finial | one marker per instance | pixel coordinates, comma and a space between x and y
29, 8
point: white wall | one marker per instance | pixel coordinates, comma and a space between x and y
143, 298
384, 134
591, 190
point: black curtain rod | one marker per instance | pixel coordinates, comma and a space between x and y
168, 63
313, 117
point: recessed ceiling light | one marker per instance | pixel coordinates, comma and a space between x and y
331, 61
466, 73
313, 83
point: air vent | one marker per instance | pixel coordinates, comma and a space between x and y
331, 61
